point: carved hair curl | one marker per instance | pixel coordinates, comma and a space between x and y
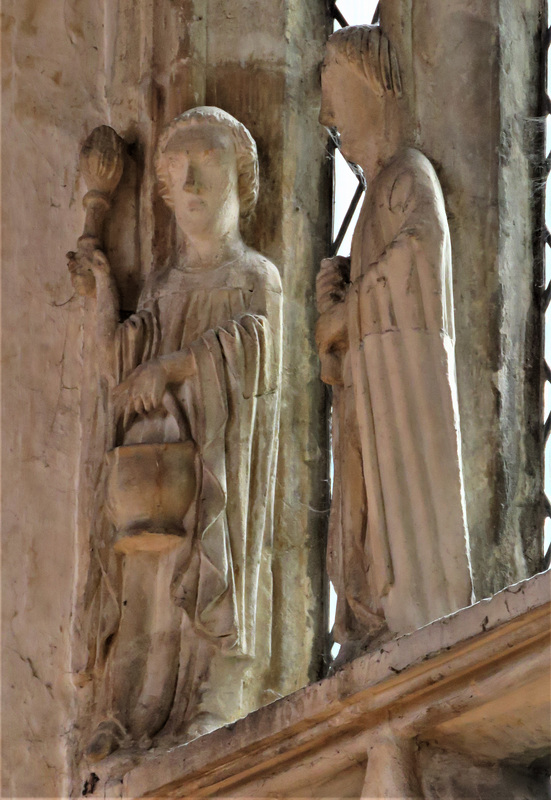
369, 51
245, 151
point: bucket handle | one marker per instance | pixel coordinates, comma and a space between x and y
174, 408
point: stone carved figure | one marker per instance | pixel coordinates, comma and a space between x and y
398, 545
178, 601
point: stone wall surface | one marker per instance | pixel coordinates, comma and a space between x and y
68, 67
51, 89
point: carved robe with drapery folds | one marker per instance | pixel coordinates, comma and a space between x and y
398, 550
230, 319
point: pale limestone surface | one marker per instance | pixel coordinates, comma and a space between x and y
177, 606
398, 545
40, 378
68, 67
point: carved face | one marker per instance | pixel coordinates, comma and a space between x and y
201, 167
350, 105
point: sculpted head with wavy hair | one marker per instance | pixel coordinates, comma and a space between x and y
207, 168
361, 87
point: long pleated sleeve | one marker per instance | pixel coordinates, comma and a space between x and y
232, 403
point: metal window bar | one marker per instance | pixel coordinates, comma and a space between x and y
546, 295
335, 245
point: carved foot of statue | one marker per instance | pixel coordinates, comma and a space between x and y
354, 648
108, 737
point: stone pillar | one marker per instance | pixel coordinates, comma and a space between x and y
472, 78
391, 770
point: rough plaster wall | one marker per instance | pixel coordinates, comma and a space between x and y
473, 100
68, 66
47, 77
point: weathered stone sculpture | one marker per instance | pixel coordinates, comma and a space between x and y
398, 549
180, 591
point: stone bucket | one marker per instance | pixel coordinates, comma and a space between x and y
150, 487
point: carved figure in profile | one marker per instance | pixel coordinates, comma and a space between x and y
398, 544
178, 601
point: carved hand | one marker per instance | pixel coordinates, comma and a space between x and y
332, 342
142, 391
144, 388
331, 286
332, 282
84, 265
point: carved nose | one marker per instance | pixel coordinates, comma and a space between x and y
191, 182
326, 116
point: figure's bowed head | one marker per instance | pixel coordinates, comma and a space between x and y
360, 86
207, 167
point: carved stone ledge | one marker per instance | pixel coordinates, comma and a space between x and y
475, 683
